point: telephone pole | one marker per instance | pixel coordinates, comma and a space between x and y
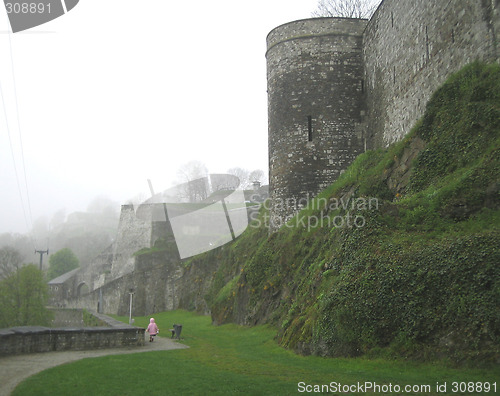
42, 252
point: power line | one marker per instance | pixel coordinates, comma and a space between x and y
19, 130
13, 155
23, 162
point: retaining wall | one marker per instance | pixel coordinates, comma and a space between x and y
35, 339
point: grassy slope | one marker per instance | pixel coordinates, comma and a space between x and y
421, 277
228, 360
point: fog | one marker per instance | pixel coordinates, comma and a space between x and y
87, 233
113, 93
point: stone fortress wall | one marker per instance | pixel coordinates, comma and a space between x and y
159, 280
118, 260
410, 47
133, 234
337, 86
315, 70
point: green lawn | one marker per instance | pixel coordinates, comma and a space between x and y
233, 360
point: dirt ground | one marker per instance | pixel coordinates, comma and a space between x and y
15, 369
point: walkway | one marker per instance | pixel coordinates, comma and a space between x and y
15, 369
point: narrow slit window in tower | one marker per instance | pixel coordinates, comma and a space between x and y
426, 44
309, 129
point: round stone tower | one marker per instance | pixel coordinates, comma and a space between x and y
316, 108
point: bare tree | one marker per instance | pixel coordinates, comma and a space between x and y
246, 177
191, 171
241, 174
257, 175
193, 181
346, 8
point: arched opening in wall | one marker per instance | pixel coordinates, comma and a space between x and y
82, 289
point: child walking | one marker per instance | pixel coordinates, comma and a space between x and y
152, 329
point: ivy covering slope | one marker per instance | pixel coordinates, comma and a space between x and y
400, 256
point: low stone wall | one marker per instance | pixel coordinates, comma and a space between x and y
34, 339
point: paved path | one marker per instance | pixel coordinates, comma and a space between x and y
15, 369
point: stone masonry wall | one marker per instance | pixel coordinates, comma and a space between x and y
410, 47
35, 339
160, 282
118, 259
315, 96
133, 234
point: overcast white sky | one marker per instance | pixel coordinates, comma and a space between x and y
116, 92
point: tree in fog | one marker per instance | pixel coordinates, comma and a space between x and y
10, 261
241, 174
192, 181
23, 298
86, 233
103, 206
61, 262
23, 244
257, 175
346, 8
191, 170
58, 218
246, 177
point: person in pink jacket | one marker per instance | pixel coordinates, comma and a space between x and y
152, 329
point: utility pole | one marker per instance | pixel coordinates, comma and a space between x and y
131, 293
42, 252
